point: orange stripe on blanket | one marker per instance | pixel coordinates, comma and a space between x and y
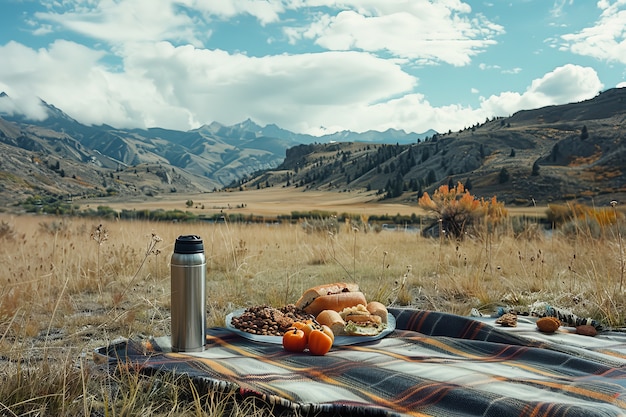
212, 364
583, 392
427, 341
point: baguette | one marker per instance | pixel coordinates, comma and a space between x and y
312, 293
336, 302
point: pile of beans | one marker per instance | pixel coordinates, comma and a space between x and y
269, 321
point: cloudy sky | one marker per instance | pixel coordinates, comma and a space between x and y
310, 66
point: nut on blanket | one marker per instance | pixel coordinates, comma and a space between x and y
548, 324
586, 330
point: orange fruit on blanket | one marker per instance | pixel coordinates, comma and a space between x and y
308, 328
329, 332
294, 340
320, 341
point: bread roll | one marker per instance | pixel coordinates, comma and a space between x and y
312, 293
333, 320
378, 309
335, 302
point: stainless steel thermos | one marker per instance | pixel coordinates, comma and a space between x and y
188, 287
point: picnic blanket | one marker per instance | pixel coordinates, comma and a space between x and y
433, 364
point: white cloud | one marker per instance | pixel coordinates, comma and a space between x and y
174, 20
15, 104
606, 40
428, 32
413, 112
557, 7
165, 78
71, 77
29, 74
182, 87
485, 67
116, 21
421, 30
569, 83
264, 11
515, 70
216, 85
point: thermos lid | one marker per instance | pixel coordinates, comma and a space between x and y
189, 244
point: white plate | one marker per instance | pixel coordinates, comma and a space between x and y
339, 340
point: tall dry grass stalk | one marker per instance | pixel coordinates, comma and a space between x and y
61, 296
622, 263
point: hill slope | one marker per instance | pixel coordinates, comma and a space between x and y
557, 153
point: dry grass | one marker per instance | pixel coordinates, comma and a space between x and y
265, 202
69, 285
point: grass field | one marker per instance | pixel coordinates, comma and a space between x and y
69, 285
272, 202
265, 202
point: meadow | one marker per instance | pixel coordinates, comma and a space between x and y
69, 285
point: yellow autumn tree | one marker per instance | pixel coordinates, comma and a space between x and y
457, 209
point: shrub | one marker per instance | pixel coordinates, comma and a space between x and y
560, 214
457, 209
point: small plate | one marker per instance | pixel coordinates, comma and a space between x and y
339, 340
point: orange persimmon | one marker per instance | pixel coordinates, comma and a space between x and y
329, 332
320, 341
294, 340
298, 324
308, 327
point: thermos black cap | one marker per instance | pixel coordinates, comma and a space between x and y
189, 244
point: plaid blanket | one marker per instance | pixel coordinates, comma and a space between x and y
433, 364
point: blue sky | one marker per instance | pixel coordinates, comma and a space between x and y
310, 66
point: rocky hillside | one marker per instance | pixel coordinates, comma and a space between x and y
558, 153
61, 157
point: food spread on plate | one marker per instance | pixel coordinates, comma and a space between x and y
340, 306
269, 321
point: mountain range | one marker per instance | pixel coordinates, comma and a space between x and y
97, 160
557, 153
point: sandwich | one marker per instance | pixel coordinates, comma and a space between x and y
358, 320
334, 297
378, 309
